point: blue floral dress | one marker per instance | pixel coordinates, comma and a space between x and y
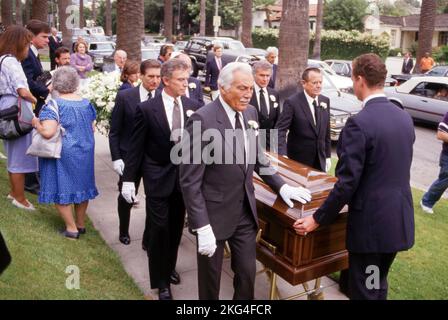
70, 179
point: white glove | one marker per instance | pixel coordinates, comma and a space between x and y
327, 165
128, 192
119, 166
206, 241
289, 193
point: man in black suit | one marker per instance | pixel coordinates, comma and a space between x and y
33, 69
218, 188
266, 101
307, 117
158, 126
53, 44
122, 123
408, 64
165, 53
194, 90
375, 155
271, 56
213, 66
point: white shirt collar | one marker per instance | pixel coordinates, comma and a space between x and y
231, 113
144, 93
309, 99
168, 102
257, 88
372, 96
34, 49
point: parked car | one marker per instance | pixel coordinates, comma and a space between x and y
95, 31
198, 49
437, 71
98, 50
343, 105
256, 52
344, 68
150, 53
418, 97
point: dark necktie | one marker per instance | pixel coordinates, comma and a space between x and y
239, 137
176, 121
263, 106
149, 95
316, 108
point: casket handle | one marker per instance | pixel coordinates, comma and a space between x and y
265, 243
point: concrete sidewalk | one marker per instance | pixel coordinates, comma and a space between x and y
103, 213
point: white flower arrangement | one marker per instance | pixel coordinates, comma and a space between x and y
189, 113
192, 85
275, 105
101, 90
272, 97
323, 105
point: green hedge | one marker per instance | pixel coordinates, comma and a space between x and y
335, 44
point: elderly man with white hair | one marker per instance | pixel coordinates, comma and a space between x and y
219, 192
271, 57
120, 57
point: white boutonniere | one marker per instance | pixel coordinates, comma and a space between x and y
254, 126
272, 97
275, 105
192, 85
323, 105
189, 113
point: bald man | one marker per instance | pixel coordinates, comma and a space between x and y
120, 58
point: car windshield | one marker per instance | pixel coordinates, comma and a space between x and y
236, 45
80, 32
327, 84
102, 46
437, 71
150, 54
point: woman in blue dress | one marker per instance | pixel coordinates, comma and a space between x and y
14, 47
70, 179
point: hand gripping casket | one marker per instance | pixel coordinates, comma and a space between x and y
296, 258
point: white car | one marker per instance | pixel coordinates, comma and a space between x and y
342, 83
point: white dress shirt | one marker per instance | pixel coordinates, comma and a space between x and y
218, 62
168, 102
144, 93
34, 49
310, 105
372, 96
266, 97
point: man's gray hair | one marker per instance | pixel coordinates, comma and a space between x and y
172, 65
121, 53
271, 50
227, 73
261, 65
65, 80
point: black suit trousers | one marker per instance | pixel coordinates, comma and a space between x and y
360, 275
5, 256
243, 256
124, 209
166, 223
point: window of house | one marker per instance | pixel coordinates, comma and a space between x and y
443, 38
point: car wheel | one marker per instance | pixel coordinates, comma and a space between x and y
398, 104
195, 69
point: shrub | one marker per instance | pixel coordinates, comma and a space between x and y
440, 54
394, 52
335, 44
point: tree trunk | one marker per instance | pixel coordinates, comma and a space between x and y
202, 18
293, 43
27, 16
168, 19
94, 10
39, 10
7, 13
426, 30
129, 35
81, 13
317, 38
108, 18
19, 20
246, 34
64, 25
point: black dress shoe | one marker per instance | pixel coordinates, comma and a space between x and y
165, 294
174, 277
125, 239
144, 248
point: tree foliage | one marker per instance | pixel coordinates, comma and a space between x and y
345, 14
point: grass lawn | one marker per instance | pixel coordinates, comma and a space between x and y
40, 256
420, 272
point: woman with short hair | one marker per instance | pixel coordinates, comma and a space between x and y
70, 179
129, 75
14, 47
80, 60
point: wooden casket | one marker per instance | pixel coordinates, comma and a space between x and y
296, 258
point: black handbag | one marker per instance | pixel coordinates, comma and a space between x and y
15, 121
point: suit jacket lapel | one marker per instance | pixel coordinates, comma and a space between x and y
306, 110
223, 125
160, 115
